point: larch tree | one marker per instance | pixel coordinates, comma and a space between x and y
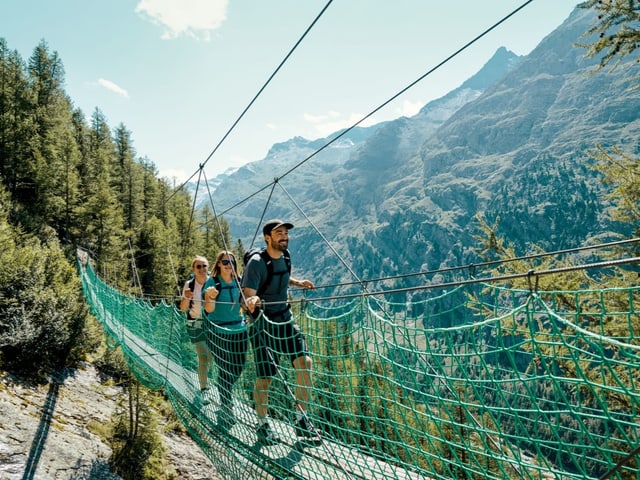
617, 31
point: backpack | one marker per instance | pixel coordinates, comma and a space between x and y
262, 251
218, 285
192, 285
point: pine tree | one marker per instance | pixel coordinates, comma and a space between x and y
156, 266
152, 205
128, 176
16, 126
41, 311
54, 154
101, 215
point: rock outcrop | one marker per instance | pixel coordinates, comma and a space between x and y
45, 431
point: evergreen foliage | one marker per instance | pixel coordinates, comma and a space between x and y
42, 312
82, 178
64, 182
622, 171
138, 450
134, 430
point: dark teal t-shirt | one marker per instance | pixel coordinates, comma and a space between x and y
275, 296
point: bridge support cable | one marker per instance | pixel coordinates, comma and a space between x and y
264, 86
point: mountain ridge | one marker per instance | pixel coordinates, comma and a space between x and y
341, 157
407, 196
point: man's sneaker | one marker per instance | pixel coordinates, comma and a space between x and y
266, 436
306, 432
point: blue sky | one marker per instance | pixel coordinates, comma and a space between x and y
178, 73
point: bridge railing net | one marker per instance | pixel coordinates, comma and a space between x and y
476, 382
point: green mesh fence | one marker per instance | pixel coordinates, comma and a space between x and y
479, 382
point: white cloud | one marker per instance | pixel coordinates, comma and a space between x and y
326, 124
195, 18
112, 87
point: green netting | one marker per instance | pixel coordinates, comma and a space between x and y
479, 382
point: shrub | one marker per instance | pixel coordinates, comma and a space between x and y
41, 309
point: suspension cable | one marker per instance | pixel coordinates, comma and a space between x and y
499, 278
472, 266
255, 97
530, 273
391, 99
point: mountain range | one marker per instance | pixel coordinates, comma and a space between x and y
513, 144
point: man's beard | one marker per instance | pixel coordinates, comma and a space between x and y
280, 246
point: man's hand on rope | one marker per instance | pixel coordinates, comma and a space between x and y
304, 284
253, 306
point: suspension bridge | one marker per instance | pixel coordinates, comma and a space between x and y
470, 381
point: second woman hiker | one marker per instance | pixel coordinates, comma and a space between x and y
191, 303
227, 336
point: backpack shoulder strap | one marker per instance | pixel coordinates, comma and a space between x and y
217, 283
265, 256
287, 260
269, 263
192, 285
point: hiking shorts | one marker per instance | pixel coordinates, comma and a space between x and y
270, 340
195, 329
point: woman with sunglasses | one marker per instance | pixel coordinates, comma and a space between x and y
192, 304
227, 335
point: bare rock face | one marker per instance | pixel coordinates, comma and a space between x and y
44, 431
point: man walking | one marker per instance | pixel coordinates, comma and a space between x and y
265, 284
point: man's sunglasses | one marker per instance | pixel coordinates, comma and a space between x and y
201, 266
226, 262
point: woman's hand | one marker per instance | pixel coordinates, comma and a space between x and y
211, 294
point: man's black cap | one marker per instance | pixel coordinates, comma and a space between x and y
273, 224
